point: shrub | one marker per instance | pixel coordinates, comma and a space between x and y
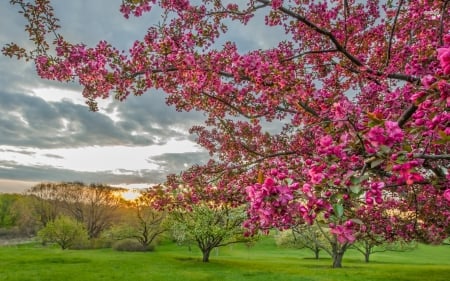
64, 231
131, 245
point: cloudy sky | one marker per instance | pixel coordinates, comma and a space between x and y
47, 132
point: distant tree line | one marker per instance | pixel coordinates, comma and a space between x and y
77, 215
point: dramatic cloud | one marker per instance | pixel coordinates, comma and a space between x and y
47, 132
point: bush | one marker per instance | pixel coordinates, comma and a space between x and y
64, 231
131, 245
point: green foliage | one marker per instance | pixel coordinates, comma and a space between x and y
286, 239
64, 231
27, 220
131, 245
304, 236
7, 216
210, 227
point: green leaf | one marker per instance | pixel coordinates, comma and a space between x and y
363, 178
338, 210
376, 163
385, 149
355, 188
355, 180
358, 221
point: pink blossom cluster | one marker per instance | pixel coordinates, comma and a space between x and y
387, 135
344, 233
279, 201
375, 194
444, 55
406, 173
137, 9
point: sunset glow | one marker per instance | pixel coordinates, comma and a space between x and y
130, 195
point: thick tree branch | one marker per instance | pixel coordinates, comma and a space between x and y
339, 46
406, 115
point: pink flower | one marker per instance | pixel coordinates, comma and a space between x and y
343, 234
447, 195
447, 39
326, 141
427, 81
444, 58
393, 130
277, 4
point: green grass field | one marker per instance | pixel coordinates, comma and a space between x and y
264, 261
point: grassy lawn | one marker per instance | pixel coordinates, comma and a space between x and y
261, 262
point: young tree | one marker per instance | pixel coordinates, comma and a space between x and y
302, 236
385, 226
141, 222
209, 227
360, 89
64, 231
378, 244
200, 214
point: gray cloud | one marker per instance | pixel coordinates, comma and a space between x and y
175, 163
33, 122
151, 111
14, 171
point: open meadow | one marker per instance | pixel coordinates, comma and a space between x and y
264, 261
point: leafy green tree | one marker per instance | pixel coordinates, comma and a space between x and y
209, 227
27, 220
64, 231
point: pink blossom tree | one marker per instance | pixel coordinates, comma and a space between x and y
360, 91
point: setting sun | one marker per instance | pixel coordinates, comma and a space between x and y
130, 194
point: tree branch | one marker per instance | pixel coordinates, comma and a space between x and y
432, 156
322, 31
346, 12
339, 46
406, 115
232, 106
310, 52
441, 23
391, 35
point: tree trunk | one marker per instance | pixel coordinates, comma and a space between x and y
368, 249
316, 252
337, 259
206, 253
